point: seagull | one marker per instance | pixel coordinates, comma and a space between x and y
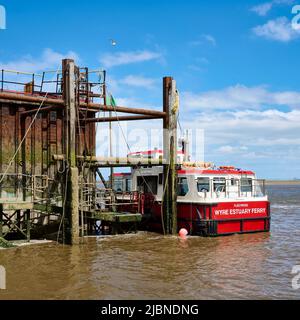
113, 42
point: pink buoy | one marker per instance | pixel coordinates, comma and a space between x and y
183, 233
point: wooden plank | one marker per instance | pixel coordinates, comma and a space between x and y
13, 206
48, 208
118, 217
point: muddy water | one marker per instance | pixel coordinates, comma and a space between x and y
149, 266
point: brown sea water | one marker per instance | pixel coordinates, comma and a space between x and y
150, 266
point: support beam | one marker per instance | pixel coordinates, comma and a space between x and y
28, 225
122, 118
101, 178
115, 161
30, 98
15, 97
72, 202
120, 162
100, 107
72, 208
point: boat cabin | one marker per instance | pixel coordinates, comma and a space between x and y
201, 185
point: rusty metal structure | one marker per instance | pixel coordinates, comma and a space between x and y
48, 162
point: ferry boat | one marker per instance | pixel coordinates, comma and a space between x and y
212, 201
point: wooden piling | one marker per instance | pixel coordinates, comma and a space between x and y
170, 153
28, 225
173, 156
72, 202
1, 224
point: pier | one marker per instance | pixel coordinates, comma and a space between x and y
48, 161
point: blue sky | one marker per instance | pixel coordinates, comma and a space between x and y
236, 64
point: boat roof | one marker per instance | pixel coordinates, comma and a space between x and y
122, 174
149, 152
200, 171
193, 171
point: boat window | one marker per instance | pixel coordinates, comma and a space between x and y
183, 187
219, 184
160, 178
147, 184
203, 185
234, 182
118, 185
246, 185
128, 185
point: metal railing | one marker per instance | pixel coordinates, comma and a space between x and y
11, 80
96, 197
22, 187
90, 84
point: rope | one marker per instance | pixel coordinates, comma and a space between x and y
162, 203
64, 206
166, 180
179, 123
128, 148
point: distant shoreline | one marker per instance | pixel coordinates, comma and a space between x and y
282, 182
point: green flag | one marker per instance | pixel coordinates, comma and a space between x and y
111, 101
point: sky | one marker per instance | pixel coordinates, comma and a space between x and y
236, 64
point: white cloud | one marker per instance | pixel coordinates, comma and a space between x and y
139, 81
49, 59
204, 38
266, 142
262, 140
279, 29
239, 97
247, 128
109, 60
129, 85
230, 149
132, 102
264, 8
210, 39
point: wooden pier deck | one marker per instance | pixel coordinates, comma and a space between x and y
116, 220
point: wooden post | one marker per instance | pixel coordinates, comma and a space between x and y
170, 107
28, 225
1, 223
166, 154
174, 101
72, 201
